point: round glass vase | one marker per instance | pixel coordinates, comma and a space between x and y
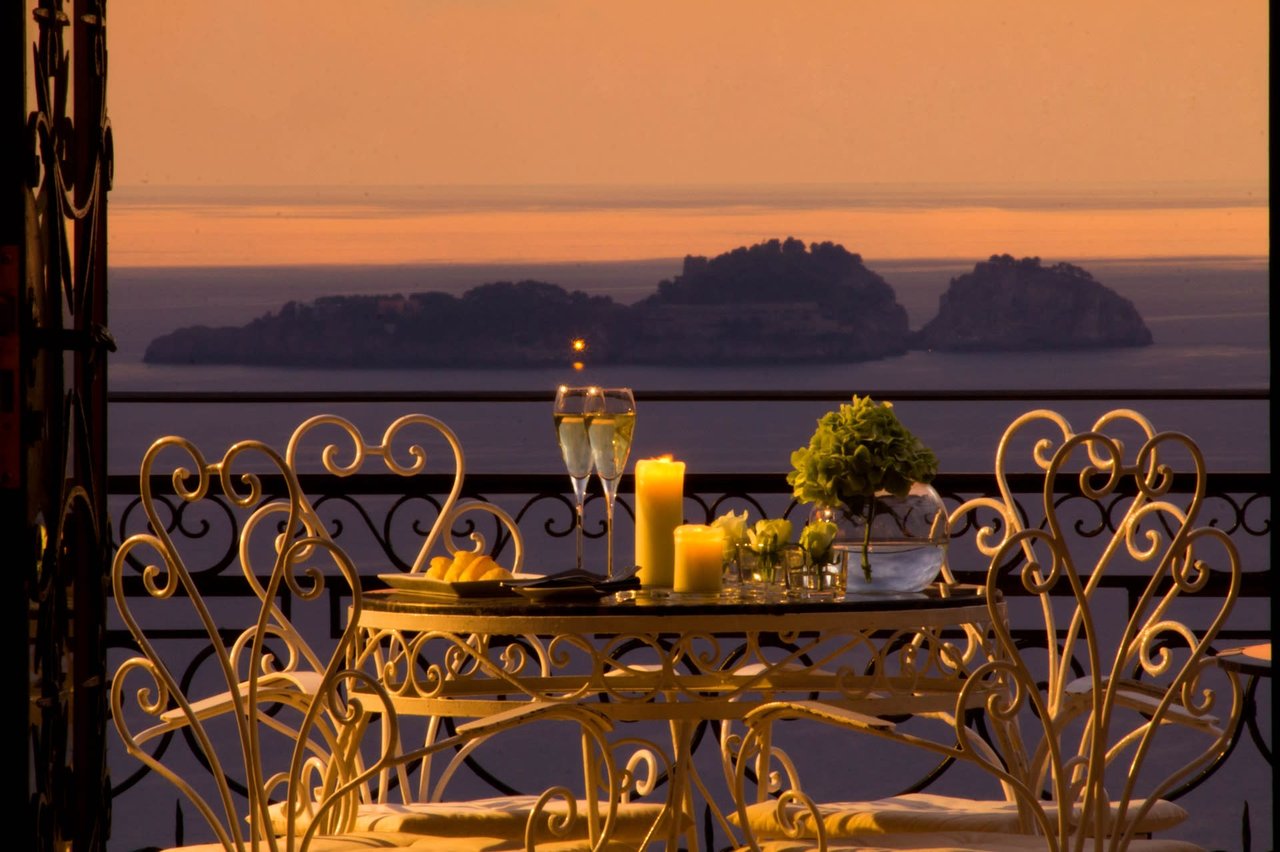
906, 546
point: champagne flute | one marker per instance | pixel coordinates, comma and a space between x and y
611, 422
570, 418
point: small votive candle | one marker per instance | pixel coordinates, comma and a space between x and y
699, 562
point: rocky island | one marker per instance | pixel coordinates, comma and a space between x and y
1007, 304
774, 302
778, 301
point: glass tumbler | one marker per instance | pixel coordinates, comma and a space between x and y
764, 573
825, 579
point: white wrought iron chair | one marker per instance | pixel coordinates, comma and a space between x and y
417, 798
1080, 768
278, 722
282, 754
404, 451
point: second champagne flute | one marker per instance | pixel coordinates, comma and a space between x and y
611, 423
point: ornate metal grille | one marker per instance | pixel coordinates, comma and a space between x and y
53, 340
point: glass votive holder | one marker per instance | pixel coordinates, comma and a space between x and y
730, 575
825, 579
764, 573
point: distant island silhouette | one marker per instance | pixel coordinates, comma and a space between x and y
778, 301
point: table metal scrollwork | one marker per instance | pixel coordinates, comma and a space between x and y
681, 664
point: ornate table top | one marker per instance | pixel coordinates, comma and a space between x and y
517, 614
442, 656
1251, 660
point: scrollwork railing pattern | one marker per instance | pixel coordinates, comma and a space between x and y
395, 511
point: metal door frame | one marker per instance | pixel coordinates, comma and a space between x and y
53, 427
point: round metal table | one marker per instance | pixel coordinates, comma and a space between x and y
683, 662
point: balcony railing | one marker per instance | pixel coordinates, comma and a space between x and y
376, 517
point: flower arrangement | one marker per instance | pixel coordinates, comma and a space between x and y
768, 536
735, 532
855, 452
816, 539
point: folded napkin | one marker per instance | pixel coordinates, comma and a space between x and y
575, 578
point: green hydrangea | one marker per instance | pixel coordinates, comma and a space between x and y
857, 450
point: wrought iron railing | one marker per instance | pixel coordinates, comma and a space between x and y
380, 514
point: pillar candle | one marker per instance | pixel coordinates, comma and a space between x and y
659, 510
699, 558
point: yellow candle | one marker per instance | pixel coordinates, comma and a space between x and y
699, 558
659, 510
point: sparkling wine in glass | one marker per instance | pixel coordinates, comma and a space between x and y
575, 446
611, 423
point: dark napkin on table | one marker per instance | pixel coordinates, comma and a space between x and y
575, 577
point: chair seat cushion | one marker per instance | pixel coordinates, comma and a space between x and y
957, 841
359, 840
918, 812
498, 817
502, 816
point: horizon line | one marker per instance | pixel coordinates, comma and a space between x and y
1184, 258
364, 200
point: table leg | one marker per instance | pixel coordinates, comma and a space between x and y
681, 785
591, 769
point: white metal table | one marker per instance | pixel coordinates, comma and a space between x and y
681, 663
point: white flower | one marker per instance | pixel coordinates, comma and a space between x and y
735, 531
769, 534
816, 539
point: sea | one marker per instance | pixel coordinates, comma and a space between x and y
1210, 318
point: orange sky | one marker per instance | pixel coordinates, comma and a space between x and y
284, 235
1160, 94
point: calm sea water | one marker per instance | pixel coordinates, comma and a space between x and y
1210, 319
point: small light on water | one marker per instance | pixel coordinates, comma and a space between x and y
578, 365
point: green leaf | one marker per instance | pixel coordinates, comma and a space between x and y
857, 450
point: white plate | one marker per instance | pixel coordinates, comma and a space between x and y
458, 589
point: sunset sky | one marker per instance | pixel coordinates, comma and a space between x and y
1164, 103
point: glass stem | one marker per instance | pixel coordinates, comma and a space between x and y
608, 521
866, 540
578, 533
